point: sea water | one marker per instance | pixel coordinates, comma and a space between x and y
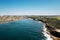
48, 37
26, 29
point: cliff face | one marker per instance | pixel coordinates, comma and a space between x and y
10, 18
55, 38
53, 32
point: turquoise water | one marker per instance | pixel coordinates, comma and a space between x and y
22, 30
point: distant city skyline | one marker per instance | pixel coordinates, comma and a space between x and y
29, 7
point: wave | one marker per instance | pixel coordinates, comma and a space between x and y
45, 33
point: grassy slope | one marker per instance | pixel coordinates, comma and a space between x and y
58, 17
51, 20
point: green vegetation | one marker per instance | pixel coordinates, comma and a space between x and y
53, 21
58, 17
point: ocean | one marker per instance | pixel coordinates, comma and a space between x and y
26, 29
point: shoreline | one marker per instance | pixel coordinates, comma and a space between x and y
51, 33
50, 30
48, 27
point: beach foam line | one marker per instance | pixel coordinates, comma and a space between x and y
45, 33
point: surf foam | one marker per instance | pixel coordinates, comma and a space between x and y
45, 33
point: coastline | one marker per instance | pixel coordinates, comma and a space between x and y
50, 29
47, 26
46, 33
6, 18
53, 36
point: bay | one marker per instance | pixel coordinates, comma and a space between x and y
26, 29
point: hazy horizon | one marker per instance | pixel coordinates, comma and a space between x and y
29, 7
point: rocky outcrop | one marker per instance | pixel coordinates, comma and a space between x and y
53, 33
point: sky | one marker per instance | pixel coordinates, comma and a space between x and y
29, 7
